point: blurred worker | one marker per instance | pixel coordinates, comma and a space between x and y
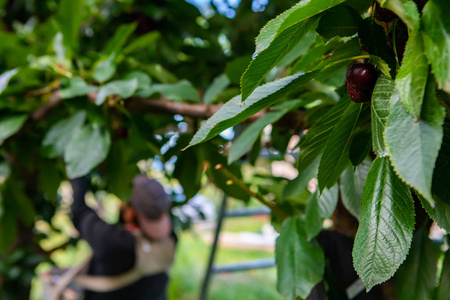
131, 261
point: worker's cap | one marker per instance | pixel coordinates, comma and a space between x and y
149, 198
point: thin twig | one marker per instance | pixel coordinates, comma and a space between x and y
247, 189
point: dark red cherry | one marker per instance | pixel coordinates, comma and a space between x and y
121, 132
362, 76
384, 14
358, 96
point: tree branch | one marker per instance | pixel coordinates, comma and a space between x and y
246, 188
143, 106
164, 105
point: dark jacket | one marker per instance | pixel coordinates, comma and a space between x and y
113, 251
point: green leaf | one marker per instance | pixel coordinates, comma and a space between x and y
5, 171
142, 42
381, 65
436, 39
120, 169
104, 69
124, 88
267, 59
10, 125
441, 175
305, 10
143, 80
359, 5
360, 146
335, 157
318, 209
60, 49
219, 84
270, 30
69, 19
119, 38
5, 78
299, 50
182, 90
249, 136
8, 230
351, 184
49, 180
339, 21
415, 279
300, 264
342, 54
86, 149
78, 87
412, 75
443, 289
188, 170
19, 202
373, 37
235, 111
406, 10
235, 68
414, 145
159, 72
440, 213
60, 134
144, 88
315, 141
383, 94
299, 184
386, 225
221, 180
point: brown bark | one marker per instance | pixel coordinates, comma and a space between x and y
163, 105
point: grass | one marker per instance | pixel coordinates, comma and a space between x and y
190, 266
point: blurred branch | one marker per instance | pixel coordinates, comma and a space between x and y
166, 106
256, 195
54, 100
143, 106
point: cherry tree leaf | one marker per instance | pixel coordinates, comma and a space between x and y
335, 157
300, 263
412, 75
440, 213
443, 289
10, 125
319, 208
296, 14
86, 150
415, 279
436, 38
249, 136
123, 88
60, 134
414, 144
267, 59
5, 78
382, 94
340, 21
386, 225
235, 111
352, 184
315, 141
441, 175
406, 10
78, 87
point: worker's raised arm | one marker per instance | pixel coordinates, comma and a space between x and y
101, 236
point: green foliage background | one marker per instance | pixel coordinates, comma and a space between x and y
92, 87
